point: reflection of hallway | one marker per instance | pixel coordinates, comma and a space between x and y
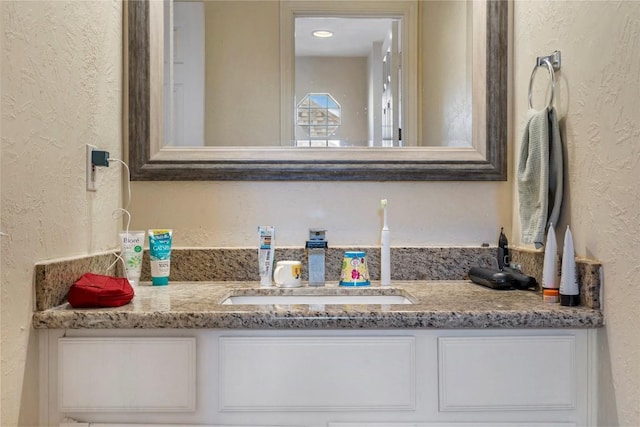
352, 72
184, 105
391, 105
342, 77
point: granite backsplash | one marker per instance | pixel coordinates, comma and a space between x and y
53, 278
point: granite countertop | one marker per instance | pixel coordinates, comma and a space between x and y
436, 304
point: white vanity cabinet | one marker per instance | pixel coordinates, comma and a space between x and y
337, 378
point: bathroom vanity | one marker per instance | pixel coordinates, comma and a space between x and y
455, 353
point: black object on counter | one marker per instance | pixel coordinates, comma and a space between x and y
503, 250
569, 300
507, 278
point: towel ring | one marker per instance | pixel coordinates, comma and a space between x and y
547, 62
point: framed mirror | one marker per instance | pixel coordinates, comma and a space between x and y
483, 159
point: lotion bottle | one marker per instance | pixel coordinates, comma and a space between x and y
550, 265
569, 292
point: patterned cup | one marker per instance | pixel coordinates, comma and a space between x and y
354, 269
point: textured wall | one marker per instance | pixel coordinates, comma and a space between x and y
61, 88
598, 97
226, 214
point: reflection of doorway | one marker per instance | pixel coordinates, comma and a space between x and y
391, 84
184, 105
348, 65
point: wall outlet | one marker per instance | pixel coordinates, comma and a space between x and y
91, 170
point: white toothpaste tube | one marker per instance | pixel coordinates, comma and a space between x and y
266, 250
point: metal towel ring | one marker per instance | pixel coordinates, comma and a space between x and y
540, 62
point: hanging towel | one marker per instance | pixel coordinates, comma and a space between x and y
540, 175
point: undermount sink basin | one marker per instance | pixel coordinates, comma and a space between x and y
316, 299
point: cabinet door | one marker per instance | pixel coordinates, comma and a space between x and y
126, 374
293, 374
533, 373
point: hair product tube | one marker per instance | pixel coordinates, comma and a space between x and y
160, 256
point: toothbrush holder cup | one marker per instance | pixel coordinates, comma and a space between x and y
354, 269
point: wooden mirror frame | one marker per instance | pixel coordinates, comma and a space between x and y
350, 164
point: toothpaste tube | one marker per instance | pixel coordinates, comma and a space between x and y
265, 253
160, 256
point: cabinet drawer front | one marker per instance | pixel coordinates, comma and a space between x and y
126, 374
507, 373
319, 373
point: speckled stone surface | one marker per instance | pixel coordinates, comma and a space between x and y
437, 304
588, 272
415, 263
54, 278
530, 261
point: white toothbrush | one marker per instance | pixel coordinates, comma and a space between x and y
385, 250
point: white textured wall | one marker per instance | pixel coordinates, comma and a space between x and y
61, 88
226, 214
598, 97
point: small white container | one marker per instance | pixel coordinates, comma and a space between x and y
288, 274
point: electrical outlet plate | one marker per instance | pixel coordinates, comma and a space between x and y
91, 170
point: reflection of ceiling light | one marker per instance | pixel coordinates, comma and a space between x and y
322, 34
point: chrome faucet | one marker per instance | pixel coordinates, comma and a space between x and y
316, 250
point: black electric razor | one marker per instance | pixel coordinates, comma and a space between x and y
507, 278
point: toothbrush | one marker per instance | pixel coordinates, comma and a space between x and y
385, 252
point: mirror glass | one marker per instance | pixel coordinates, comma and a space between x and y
245, 90
356, 62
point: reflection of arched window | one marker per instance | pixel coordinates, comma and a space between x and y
318, 114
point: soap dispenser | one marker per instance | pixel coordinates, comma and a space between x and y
316, 252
